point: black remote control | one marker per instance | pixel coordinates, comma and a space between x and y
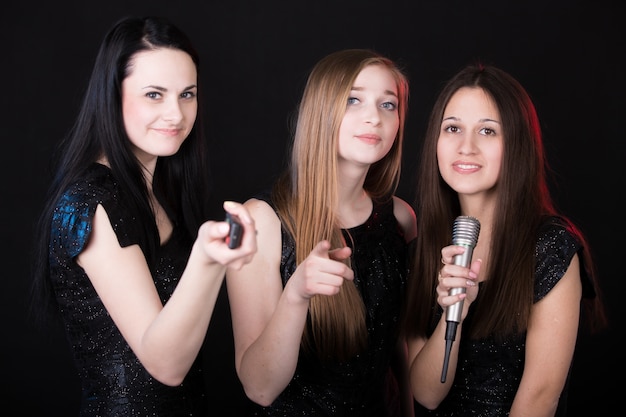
236, 231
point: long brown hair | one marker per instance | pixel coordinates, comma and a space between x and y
306, 195
523, 195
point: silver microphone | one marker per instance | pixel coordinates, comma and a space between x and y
464, 233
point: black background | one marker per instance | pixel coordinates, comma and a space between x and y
255, 58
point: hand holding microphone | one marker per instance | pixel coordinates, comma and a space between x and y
464, 233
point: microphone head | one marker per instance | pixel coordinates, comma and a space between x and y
465, 231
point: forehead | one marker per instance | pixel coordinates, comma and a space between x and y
377, 77
159, 65
472, 101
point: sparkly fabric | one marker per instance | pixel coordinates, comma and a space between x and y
114, 383
488, 373
359, 386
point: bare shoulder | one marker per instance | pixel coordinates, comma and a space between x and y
406, 217
268, 230
569, 285
259, 276
262, 213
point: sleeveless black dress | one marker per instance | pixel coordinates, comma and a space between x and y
489, 372
361, 386
114, 383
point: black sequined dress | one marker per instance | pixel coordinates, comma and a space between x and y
114, 383
361, 386
489, 373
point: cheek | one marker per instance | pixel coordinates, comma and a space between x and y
131, 113
344, 127
390, 132
191, 111
494, 155
392, 122
496, 168
189, 114
137, 118
441, 150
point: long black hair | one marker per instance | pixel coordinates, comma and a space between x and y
181, 181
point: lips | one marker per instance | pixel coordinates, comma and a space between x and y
370, 138
465, 166
169, 132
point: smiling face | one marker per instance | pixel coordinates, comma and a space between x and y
371, 121
470, 144
159, 102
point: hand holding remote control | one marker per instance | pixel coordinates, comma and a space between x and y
236, 231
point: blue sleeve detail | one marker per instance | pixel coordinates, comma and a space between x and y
71, 223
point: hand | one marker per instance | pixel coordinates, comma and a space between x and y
456, 276
212, 238
322, 272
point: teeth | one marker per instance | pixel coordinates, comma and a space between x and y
467, 166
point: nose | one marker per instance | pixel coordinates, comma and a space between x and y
172, 111
467, 145
371, 114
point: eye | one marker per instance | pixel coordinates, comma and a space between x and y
352, 100
153, 95
451, 129
487, 131
188, 94
389, 105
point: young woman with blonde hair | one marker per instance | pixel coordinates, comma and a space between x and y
316, 314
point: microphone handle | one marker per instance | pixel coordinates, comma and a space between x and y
464, 233
453, 312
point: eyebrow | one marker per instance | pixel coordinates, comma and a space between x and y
156, 87
387, 92
480, 120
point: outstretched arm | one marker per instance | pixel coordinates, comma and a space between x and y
268, 321
166, 339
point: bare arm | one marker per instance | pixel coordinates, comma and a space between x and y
405, 215
268, 321
166, 339
550, 344
426, 355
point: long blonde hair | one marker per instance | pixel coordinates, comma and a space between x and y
306, 195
